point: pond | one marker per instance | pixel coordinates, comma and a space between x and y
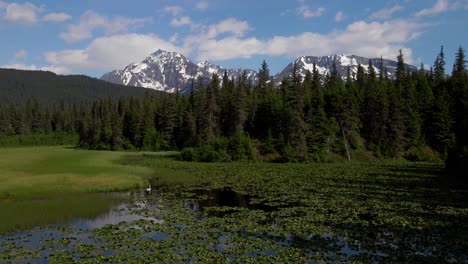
139, 215
227, 218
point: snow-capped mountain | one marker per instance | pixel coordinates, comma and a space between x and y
169, 71
324, 65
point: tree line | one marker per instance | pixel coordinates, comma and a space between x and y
417, 114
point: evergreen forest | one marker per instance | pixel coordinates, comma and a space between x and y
417, 115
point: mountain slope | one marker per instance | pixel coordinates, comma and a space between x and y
324, 65
171, 71
20, 85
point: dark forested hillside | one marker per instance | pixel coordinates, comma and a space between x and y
17, 86
418, 115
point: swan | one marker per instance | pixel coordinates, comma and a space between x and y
149, 188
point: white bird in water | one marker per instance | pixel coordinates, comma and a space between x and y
148, 189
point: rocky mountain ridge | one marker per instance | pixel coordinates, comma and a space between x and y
172, 71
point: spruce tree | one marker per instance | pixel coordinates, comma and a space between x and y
439, 67
296, 135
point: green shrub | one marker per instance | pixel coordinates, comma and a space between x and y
241, 148
206, 153
287, 154
53, 139
188, 154
127, 145
221, 149
421, 153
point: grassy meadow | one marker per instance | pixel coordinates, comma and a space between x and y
41, 172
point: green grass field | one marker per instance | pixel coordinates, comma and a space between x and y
41, 172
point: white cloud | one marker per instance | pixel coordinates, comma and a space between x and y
230, 25
439, 7
227, 40
339, 16
32, 67
202, 5
177, 22
305, 11
366, 39
174, 37
91, 20
462, 4
20, 54
386, 13
26, 13
229, 48
56, 17
113, 52
173, 10
20, 66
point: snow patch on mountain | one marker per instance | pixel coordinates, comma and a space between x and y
172, 72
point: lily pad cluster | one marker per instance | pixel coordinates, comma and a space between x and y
257, 212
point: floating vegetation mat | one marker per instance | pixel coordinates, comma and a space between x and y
256, 212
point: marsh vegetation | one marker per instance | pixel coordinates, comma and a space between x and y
256, 212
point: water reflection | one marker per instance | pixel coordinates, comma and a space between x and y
124, 212
226, 197
82, 212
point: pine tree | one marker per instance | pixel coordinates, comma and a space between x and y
425, 99
6, 129
116, 125
211, 110
131, 121
439, 67
459, 93
263, 78
147, 126
296, 133
457, 161
373, 110
411, 118
395, 128
440, 132
350, 113
316, 119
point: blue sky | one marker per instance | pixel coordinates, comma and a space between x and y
93, 37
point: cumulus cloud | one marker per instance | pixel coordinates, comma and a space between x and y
339, 16
26, 13
439, 7
229, 48
56, 17
173, 10
230, 25
20, 54
442, 6
362, 38
29, 14
305, 11
101, 53
386, 13
32, 67
462, 4
228, 40
90, 21
177, 22
202, 5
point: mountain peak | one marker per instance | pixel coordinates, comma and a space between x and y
159, 52
172, 71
